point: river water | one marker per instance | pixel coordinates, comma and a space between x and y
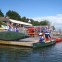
22, 54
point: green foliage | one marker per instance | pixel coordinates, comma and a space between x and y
27, 19
23, 19
13, 15
45, 22
35, 23
2, 23
9, 35
42, 23
1, 14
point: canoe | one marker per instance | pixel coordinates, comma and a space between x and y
58, 39
44, 44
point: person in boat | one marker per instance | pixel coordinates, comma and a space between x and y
47, 36
41, 37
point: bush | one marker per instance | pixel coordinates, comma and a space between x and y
9, 35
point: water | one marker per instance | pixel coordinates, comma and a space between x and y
22, 54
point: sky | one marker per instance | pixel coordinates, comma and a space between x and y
38, 10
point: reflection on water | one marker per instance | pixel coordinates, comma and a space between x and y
21, 54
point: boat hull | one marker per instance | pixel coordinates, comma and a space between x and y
58, 39
44, 44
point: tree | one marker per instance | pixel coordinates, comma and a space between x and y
1, 14
2, 23
13, 15
27, 19
23, 19
36, 23
45, 22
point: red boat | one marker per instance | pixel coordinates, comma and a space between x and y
58, 39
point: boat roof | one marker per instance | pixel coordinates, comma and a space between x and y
20, 22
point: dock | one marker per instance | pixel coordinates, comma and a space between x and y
28, 42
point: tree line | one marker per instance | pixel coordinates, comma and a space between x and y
14, 15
